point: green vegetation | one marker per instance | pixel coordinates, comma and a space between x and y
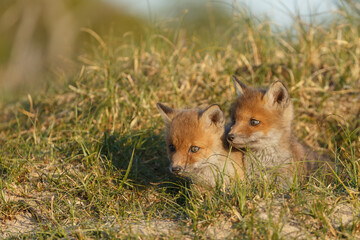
86, 158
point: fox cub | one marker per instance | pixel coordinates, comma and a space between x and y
261, 127
196, 145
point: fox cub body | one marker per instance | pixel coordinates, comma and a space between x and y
196, 145
261, 126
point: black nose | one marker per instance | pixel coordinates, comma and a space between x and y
230, 137
176, 169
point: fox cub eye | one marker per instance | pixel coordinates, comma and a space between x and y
194, 149
172, 148
254, 122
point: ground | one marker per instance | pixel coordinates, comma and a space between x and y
85, 158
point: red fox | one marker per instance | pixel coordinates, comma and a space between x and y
261, 126
196, 145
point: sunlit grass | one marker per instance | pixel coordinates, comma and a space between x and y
87, 158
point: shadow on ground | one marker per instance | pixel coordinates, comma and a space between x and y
145, 152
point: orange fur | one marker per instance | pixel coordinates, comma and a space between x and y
270, 141
203, 129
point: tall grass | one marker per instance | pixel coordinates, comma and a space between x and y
87, 157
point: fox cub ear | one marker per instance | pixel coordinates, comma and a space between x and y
277, 95
239, 86
167, 113
213, 115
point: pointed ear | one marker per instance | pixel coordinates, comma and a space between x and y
239, 86
277, 95
167, 113
213, 115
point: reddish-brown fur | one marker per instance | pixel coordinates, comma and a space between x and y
184, 131
271, 141
203, 129
252, 105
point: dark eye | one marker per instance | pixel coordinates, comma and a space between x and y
254, 122
194, 149
172, 148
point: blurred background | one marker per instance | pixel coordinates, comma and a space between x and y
40, 38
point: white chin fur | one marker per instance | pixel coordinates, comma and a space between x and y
208, 171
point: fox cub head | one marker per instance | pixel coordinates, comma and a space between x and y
192, 137
260, 118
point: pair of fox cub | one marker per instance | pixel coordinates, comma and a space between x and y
258, 141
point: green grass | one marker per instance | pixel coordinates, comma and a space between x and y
87, 159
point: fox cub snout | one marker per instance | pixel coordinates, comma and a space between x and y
260, 118
196, 144
261, 127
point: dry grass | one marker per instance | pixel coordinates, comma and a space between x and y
87, 159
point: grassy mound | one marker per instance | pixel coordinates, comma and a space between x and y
87, 159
